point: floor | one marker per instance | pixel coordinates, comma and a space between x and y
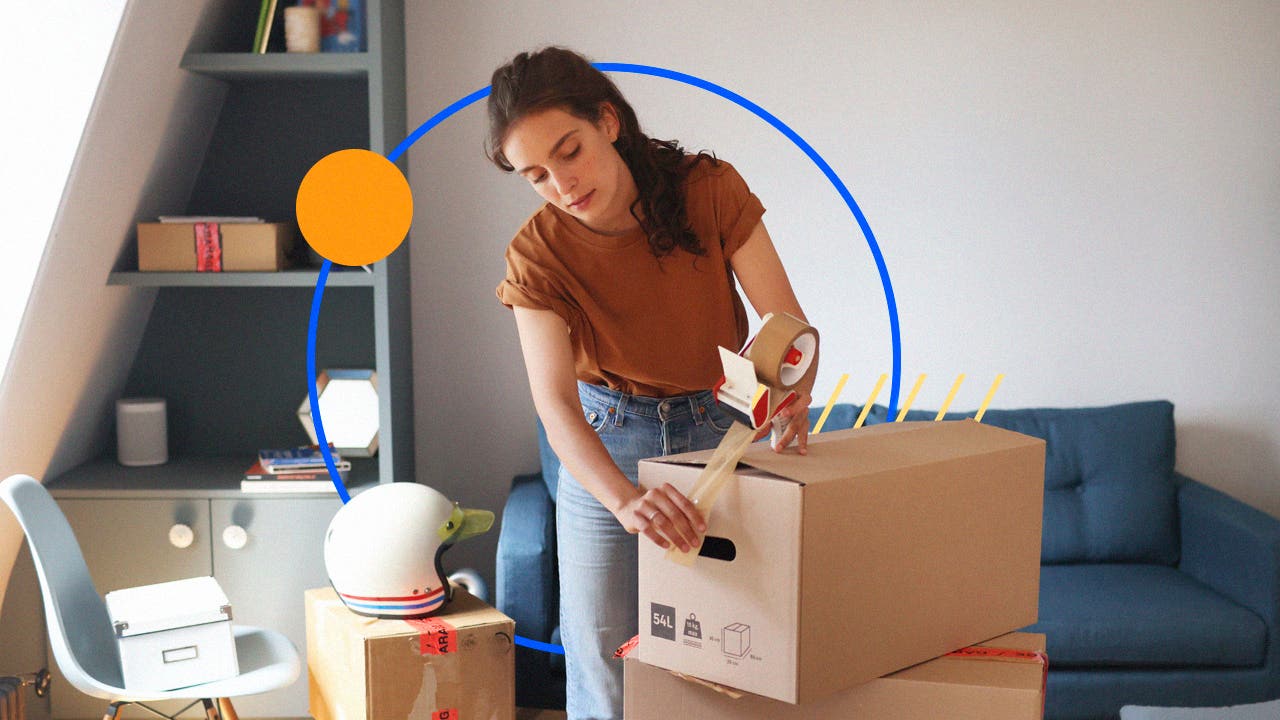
534, 714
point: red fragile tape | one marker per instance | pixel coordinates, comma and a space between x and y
435, 636
999, 654
208, 238
626, 647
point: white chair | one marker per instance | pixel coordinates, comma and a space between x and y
80, 632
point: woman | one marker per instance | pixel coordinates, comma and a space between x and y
623, 286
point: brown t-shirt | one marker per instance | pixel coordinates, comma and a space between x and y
640, 324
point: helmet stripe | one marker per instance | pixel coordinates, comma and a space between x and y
402, 598
394, 606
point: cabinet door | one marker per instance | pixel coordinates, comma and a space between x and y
282, 556
126, 544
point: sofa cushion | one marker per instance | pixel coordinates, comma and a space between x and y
1109, 489
1142, 615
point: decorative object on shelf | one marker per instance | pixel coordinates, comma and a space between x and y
266, 18
142, 431
302, 29
349, 408
213, 244
341, 24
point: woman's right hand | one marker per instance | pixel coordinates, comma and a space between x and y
665, 516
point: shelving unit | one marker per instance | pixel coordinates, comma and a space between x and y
228, 350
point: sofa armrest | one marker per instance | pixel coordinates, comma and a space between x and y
1231, 547
527, 582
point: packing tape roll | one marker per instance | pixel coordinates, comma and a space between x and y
768, 352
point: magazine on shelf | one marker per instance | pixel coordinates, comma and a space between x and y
302, 459
256, 479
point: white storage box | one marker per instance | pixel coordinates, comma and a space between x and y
173, 634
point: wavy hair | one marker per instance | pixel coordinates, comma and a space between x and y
555, 77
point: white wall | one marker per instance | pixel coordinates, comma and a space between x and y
1084, 196
46, 110
144, 136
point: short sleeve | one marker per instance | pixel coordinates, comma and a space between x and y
529, 284
738, 211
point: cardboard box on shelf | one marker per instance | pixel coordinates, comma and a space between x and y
362, 668
1006, 684
225, 247
882, 547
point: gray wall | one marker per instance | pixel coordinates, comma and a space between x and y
1084, 196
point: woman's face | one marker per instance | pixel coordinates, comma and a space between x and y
573, 165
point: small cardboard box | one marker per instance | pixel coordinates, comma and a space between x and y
173, 634
884, 547
241, 247
458, 664
1002, 679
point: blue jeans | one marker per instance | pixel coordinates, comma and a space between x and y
598, 558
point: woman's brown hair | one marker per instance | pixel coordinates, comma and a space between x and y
554, 77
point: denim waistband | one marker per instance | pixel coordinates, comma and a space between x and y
667, 408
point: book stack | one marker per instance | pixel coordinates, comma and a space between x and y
293, 470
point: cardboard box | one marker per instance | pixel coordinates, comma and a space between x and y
173, 634
244, 247
1008, 686
458, 664
883, 547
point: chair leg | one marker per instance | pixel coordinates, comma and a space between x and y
227, 710
113, 710
210, 710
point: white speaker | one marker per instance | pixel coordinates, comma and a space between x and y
142, 432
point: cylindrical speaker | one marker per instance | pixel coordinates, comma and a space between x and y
142, 433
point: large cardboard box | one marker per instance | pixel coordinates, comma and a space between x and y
883, 547
241, 246
173, 634
459, 664
1002, 679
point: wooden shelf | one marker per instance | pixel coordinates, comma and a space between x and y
284, 278
248, 66
192, 476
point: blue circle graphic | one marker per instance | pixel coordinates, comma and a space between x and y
446, 113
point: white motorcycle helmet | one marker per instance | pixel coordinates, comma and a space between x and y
383, 549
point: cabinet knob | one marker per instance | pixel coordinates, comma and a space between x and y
181, 536
235, 537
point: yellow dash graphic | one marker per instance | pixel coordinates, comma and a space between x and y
862, 416
950, 396
830, 403
987, 400
911, 398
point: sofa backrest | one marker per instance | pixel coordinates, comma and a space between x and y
1109, 488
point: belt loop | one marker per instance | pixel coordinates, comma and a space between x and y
699, 403
693, 408
622, 408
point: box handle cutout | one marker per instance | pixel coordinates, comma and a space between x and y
718, 548
189, 652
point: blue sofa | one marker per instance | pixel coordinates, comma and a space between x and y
1154, 589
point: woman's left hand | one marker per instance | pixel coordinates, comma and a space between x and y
793, 424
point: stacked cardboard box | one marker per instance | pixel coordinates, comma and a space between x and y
457, 664
882, 548
1002, 679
